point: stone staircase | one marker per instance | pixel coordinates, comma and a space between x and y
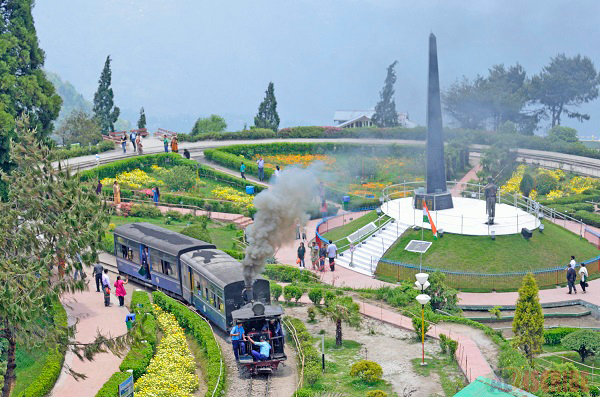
367, 253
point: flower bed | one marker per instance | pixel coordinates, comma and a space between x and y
230, 194
172, 369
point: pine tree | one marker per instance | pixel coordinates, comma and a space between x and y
25, 88
104, 108
385, 110
142, 121
528, 324
267, 116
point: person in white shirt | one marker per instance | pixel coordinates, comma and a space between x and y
261, 169
583, 275
106, 288
332, 254
105, 279
572, 263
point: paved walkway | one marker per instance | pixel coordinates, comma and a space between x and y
461, 185
88, 311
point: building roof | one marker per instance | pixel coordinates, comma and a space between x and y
484, 387
345, 115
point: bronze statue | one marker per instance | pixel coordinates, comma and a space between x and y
490, 200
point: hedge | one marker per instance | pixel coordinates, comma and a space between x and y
576, 198
239, 255
312, 358
200, 330
75, 151
589, 218
572, 208
137, 359
233, 162
256, 133
111, 387
555, 335
288, 274
43, 384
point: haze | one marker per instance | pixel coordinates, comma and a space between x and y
182, 59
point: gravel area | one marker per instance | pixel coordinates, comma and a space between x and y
488, 348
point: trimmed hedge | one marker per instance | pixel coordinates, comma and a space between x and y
137, 359
589, 218
233, 162
576, 198
312, 358
198, 232
239, 255
288, 274
75, 151
572, 208
200, 330
554, 336
43, 384
111, 387
256, 133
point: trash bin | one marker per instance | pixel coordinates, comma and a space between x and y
345, 202
129, 320
249, 189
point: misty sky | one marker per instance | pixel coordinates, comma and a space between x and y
182, 59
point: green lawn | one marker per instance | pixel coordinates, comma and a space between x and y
351, 227
446, 367
29, 366
505, 254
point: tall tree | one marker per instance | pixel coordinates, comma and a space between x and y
104, 108
24, 88
79, 127
213, 123
564, 85
528, 323
142, 120
385, 110
342, 310
267, 116
467, 104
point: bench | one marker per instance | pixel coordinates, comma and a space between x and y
143, 132
162, 132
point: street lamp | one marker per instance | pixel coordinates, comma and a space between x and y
423, 299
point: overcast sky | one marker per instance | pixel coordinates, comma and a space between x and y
182, 59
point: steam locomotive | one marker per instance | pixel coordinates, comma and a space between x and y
200, 275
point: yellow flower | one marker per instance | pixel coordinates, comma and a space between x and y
555, 194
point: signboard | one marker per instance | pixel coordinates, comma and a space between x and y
126, 388
418, 246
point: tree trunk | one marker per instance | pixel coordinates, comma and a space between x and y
338, 333
9, 376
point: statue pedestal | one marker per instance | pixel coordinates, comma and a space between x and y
435, 201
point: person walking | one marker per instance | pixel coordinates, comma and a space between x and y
304, 232
186, 154
583, 275
301, 253
298, 231
99, 187
116, 193
323, 209
572, 263
124, 142
314, 255
571, 276
155, 195
106, 287
261, 168
332, 255
138, 142
120, 290
132, 138
322, 256
237, 339
243, 170
174, 145
97, 273
166, 143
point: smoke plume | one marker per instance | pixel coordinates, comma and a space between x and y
279, 208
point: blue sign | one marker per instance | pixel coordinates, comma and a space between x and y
126, 388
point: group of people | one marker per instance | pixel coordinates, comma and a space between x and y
239, 337
572, 276
174, 144
136, 142
103, 280
260, 163
318, 255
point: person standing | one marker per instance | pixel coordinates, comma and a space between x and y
572, 263
138, 142
124, 142
166, 143
145, 263
298, 231
243, 170
237, 339
174, 145
97, 273
332, 255
323, 209
583, 275
186, 154
276, 174
314, 255
106, 287
132, 138
155, 195
322, 256
571, 276
261, 168
304, 232
99, 187
120, 290
116, 193
301, 253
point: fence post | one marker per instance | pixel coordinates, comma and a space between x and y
461, 223
581, 228
517, 222
371, 265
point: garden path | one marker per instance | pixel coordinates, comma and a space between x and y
472, 174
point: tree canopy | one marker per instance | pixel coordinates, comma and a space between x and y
104, 108
385, 110
79, 127
585, 342
267, 116
213, 123
142, 120
528, 323
562, 133
342, 310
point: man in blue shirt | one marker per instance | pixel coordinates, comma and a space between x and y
265, 348
237, 336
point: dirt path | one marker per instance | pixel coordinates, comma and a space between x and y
488, 348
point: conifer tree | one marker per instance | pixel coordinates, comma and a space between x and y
385, 110
142, 120
25, 88
104, 108
528, 324
267, 116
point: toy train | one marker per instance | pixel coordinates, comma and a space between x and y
200, 275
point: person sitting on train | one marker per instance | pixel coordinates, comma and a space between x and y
274, 327
265, 348
145, 264
237, 336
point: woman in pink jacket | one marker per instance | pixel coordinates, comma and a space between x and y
120, 289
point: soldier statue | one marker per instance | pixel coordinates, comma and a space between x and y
490, 200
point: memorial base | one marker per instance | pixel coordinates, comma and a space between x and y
435, 201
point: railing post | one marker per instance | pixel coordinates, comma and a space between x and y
517, 222
581, 227
371, 265
461, 223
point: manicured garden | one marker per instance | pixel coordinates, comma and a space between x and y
352, 226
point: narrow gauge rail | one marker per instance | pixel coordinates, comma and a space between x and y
259, 385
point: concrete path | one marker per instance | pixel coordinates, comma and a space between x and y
461, 185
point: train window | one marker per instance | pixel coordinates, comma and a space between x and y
220, 304
170, 269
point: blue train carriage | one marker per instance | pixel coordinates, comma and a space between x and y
164, 250
216, 285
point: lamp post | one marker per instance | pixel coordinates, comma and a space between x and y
423, 299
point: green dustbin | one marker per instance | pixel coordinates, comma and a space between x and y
346, 202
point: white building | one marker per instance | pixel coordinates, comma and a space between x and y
362, 118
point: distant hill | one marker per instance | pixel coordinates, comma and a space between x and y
71, 98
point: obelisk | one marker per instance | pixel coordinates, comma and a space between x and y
436, 195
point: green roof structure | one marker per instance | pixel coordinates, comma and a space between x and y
484, 387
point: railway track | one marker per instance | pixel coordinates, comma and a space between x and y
259, 385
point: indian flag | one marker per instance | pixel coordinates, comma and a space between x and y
427, 219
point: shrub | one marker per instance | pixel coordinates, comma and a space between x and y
276, 291
312, 374
376, 393
111, 387
198, 232
315, 295
452, 346
289, 292
179, 178
239, 255
298, 292
312, 358
304, 392
312, 314
443, 343
108, 243
555, 335
288, 274
145, 211
176, 215
417, 323
586, 342
137, 359
544, 183
329, 297
76, 151
367, 371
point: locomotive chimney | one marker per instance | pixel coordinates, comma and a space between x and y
249, 290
